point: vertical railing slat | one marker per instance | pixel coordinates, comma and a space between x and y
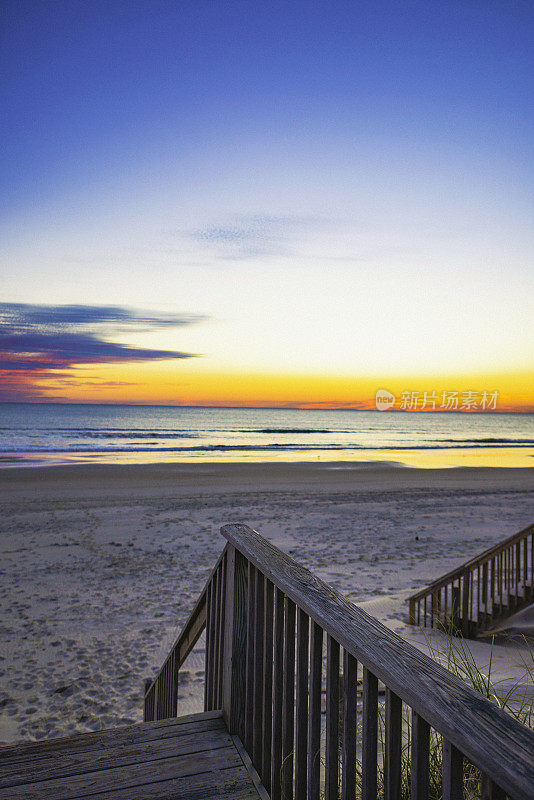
249, 690
420, 757
369, 735
301, 705
452, 772
489, 790
348, 762
235, 642
216, 638
525, 568
288, 710
257, 738
175, 684
220, 667
314, 725
466, 602
267, 683
209, 647
392, 756
332, 720
278, 692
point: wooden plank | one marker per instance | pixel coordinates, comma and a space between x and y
348, 764
259, 621
369, 735
487, 735
268, 606
288, 702
314, 713
420, 757
235, 643
134, 775
233, 783
278, 689
72, 752
301, 706
81, 742
392, 756
332, 720
453, 772
113, 757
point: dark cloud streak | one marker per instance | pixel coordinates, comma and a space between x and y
22, 317
43, 342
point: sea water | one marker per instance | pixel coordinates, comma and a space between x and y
57, 433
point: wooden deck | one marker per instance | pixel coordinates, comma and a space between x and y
191, 758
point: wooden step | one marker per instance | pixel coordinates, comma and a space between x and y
191, 758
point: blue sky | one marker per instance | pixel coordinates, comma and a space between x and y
92, 87
340, 187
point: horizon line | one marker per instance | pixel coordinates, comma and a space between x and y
488, 412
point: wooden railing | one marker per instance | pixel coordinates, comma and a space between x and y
276, 634
482, 592
161, 694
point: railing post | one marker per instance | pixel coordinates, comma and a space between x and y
412, 611
235, 637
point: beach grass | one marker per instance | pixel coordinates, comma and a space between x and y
512, 696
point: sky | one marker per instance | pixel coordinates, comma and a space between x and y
283, 203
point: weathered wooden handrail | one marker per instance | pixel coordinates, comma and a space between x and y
481, 592
266, 620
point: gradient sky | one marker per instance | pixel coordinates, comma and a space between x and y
301, 201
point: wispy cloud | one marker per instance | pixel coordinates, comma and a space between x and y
43, 342
252, 237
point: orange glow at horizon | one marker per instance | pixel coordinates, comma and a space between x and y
167, 384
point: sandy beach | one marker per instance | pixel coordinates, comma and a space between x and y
102, 564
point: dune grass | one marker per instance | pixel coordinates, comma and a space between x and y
513, 696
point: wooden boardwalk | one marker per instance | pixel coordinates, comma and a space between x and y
191, 758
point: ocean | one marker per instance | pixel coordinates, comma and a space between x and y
48, 433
